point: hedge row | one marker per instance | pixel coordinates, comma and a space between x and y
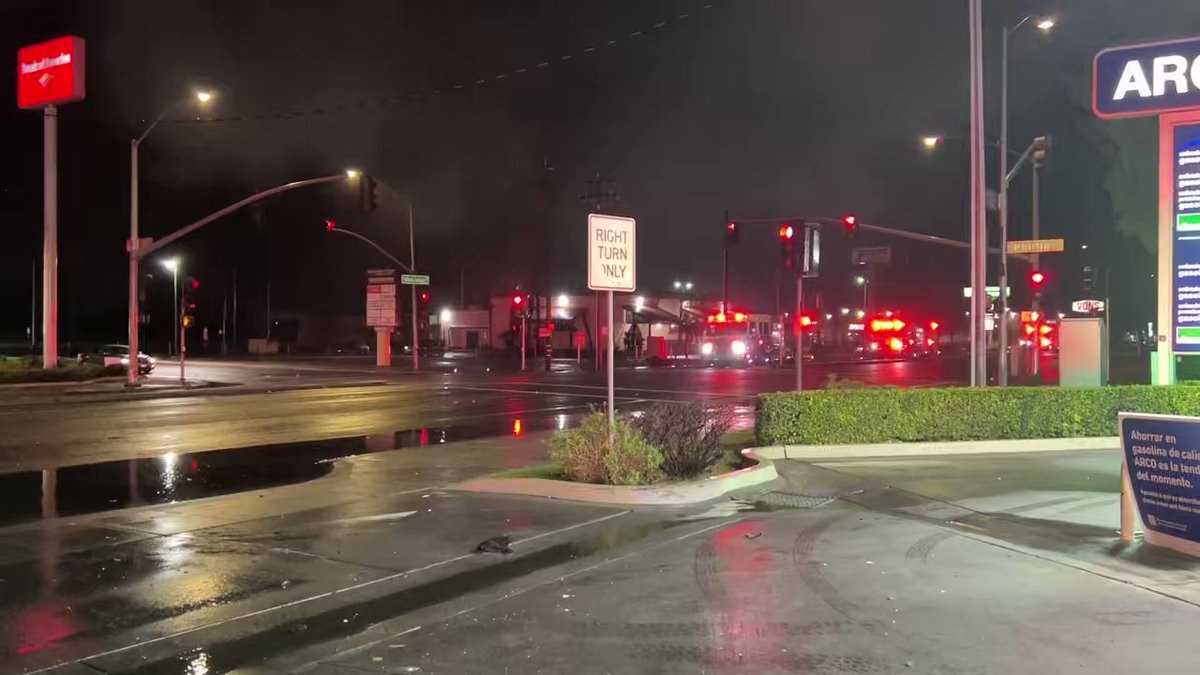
959, 414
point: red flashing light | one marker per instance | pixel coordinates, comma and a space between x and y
1037, 278
518, 427
928, 342
1046, 343
518, 301
887, 325
933, 325
787, 232
1029, 329
732, 227
896, 344
850, 224
424, 297
806, 321
739, 317
1046, 329
195, 284
330, 225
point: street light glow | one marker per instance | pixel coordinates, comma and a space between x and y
688, 285
171, 264
678, 285
204, 96
931, 142
353, 173
1046, 23
860, 280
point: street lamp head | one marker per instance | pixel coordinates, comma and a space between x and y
860, 280
931, 142
171, 264
353, 173
678, 285
204, 96
689, 285
1045, 23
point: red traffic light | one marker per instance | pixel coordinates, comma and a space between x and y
850, 223
732, 226
195, 284
1037, 278
786, 232
330, 224
424, 297
806, 321
518, 300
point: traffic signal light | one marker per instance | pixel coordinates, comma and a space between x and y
850, 224
368, 194
330, 225
787, 246
732, 233
195, 283
1037, 279
424, 297
518, 300
1089, 279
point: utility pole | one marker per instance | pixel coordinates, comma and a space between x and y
978, 205
412, 261
725, 270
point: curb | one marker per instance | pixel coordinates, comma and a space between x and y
61, 383
692, 492
810, 453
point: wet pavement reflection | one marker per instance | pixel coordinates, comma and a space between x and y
90, 488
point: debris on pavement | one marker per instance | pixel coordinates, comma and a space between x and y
499, 544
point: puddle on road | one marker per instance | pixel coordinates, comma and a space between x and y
90, 488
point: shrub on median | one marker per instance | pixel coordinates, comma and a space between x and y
588, 455
688, 434
959, 414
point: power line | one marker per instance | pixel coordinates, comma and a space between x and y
368, 105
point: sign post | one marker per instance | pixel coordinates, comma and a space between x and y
49, 74
1163, 79
612, 266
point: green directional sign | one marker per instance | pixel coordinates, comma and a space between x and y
414, 279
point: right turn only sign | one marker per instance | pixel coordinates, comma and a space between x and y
612, 253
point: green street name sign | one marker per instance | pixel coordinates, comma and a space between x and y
414, 279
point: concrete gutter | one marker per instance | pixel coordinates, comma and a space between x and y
692, 492
929, 449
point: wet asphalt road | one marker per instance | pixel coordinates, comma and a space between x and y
49, 428
370, 568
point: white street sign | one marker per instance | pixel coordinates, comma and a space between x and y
612, 253
381, 298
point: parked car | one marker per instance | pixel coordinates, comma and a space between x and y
118, 355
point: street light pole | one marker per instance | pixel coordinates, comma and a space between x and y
175, 291
1002, 205
133, 245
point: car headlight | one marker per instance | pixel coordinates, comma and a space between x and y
706, 349
739, 348
124, 360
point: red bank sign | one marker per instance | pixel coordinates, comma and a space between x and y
50, 73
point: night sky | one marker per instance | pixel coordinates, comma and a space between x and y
491, 116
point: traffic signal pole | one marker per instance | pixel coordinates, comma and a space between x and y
798, 327
412, 250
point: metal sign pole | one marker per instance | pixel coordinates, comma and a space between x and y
611, 410
50, 240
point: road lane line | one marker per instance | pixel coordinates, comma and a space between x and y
293, 603
594, 521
